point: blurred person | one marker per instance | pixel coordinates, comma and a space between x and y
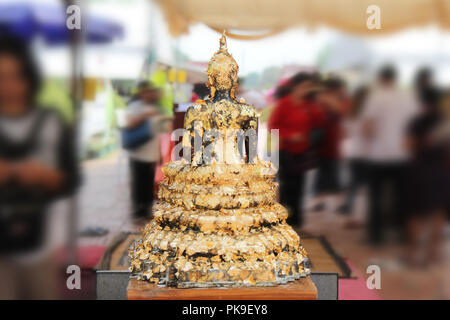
424, 80
145, 157
37, 165
292, 119
334, 101
354, 149
282, 90
441, 136
428, 180
317, 116
442, 132
387, 112
200, 91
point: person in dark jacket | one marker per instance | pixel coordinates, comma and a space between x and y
427, 180
334, 102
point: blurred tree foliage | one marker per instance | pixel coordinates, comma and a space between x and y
55, 95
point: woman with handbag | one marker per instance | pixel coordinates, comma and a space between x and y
141, 139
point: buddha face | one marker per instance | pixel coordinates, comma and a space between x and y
222, 72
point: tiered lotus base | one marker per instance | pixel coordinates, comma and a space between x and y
218, 226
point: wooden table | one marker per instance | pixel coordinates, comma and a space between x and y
303, 289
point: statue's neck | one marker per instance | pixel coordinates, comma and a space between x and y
222, 94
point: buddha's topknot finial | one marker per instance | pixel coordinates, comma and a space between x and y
222, 71
223, 42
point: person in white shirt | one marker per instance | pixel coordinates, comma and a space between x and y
144, 159
387, 112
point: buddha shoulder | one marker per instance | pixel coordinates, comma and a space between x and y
198, 111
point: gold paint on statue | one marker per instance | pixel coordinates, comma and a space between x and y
218, 224
222, 71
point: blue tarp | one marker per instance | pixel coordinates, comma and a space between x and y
47, 20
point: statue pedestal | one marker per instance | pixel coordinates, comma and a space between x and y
303, 289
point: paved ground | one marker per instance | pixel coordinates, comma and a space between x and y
104, 198
104, 202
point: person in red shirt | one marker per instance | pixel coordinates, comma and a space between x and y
291, 117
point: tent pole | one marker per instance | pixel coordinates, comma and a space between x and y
76, 87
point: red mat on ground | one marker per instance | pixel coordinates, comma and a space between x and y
87, 256
356, 289
87, 259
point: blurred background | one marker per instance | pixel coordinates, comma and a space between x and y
359, 91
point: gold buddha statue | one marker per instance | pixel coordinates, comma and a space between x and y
217, 222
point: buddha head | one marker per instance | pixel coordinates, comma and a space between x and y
222, 71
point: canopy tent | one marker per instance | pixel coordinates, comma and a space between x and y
48, 20
267, 17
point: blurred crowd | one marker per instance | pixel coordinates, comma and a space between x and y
391, 141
